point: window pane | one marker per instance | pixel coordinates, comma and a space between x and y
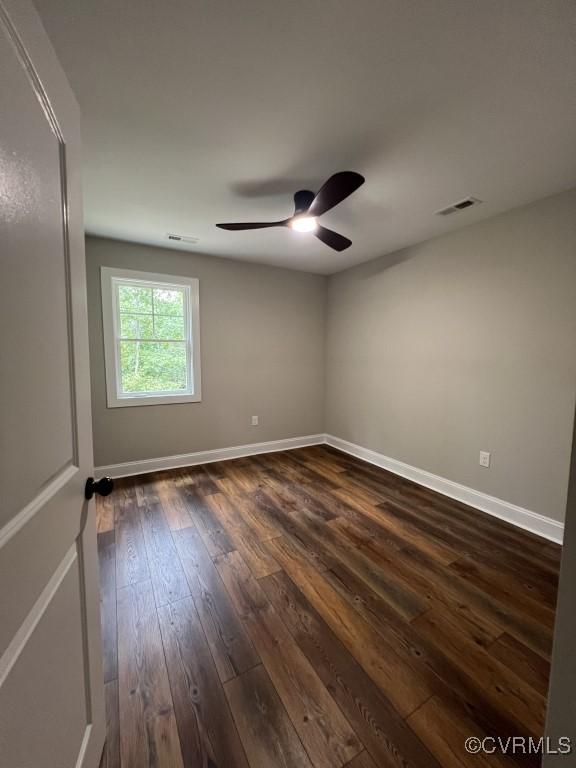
153, 366
169, 327
136, 326
134, 299
168, 302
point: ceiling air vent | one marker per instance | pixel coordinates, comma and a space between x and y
182, 238
461, 205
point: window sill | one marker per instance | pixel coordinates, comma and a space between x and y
127, 402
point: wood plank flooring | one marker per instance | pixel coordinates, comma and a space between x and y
305, 609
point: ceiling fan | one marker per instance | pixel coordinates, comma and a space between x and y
308, 207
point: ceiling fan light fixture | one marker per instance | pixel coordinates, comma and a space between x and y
304, 224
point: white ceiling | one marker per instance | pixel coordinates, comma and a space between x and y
202, 111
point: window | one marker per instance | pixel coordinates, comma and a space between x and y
151, 338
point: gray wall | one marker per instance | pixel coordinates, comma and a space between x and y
462, 343
262, 345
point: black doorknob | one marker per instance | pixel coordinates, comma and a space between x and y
102, 487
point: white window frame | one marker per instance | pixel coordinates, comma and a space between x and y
110, 277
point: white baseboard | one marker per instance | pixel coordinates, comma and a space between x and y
143, 466
523, 518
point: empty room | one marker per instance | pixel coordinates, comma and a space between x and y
287, 384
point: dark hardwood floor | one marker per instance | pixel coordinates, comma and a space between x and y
304, 609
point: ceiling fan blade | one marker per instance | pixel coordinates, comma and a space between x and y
336, 189
302, 201
333, 239
253, 225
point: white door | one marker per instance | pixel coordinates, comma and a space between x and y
51, 691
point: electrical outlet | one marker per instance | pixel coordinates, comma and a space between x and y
254, 421
484, 458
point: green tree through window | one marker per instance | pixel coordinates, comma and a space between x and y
152, 339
